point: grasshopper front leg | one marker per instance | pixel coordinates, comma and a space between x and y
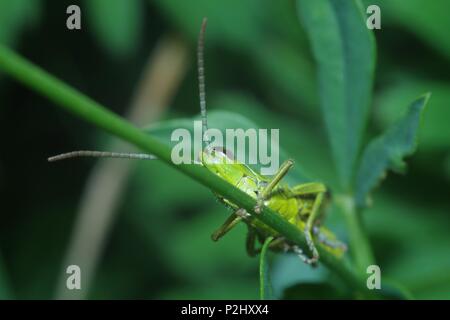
265, 193
230, 223
309, 226
318, 190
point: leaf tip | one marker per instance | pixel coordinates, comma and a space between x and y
423, 100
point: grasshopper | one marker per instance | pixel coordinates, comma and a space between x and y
301, 205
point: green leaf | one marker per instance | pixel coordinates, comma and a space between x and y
288, 270
16, 16
386, 151
287, 72
326, 290
392, 290
392, 103
265, 286
345, 53
117, 24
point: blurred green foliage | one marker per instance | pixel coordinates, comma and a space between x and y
117, 24
17, 16
345, 73
258, 64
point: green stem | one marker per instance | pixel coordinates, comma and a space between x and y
359, 243
75, 102
265, 288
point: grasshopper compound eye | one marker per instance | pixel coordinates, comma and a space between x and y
222, 152
216, 155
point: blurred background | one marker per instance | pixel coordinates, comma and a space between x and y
141, 229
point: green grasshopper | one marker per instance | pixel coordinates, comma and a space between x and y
301, 205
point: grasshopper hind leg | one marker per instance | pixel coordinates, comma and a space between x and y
309, 227
299, 252
317, 190
326, 241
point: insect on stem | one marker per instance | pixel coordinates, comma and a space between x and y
101, 154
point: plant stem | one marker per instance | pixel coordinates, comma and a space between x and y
80, 105
265, 287
359, 243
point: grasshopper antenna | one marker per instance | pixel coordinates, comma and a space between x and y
144, 156
101, 154
201, 76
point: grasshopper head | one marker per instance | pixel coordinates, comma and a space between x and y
221, 162
215, 156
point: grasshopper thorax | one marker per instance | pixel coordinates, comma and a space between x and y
222, 163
